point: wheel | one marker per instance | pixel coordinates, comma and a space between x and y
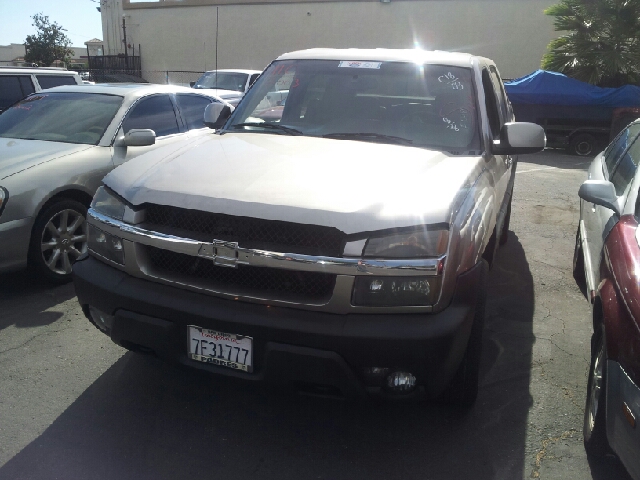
578, 263
462, 391
504, 236
582, 144
58, 238
595, 411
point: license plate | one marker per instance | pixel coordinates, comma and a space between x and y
219, 348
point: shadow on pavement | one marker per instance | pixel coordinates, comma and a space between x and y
145, 420
24, 300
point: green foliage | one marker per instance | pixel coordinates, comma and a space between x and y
602, 46
48, 44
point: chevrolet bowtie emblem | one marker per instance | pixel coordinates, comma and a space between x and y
223, 254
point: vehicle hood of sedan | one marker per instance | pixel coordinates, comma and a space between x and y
351, 185
17, 155
223, 94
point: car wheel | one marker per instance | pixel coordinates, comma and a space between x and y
578, 263
59, 237
595, 411
504, 236
463, 389
582, 144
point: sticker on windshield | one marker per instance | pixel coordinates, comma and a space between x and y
375, 65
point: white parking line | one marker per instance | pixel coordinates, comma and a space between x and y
536, 169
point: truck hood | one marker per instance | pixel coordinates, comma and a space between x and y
17, 155
350, 185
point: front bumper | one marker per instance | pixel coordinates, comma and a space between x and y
15, 236
290, 345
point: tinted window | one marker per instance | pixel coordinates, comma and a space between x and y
50, 81
614, 151
490, 101
192, 108
626, 168
14, 88
155, 113
223, 81
60, 117
253, 78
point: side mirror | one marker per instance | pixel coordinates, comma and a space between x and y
519, 138
139, 137
191, 84
216, 114
600, 192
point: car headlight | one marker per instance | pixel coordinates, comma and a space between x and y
385, 291
4, 196
415, 243
104, 244
106, 203
100, 242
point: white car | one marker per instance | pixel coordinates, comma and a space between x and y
228, 84
55, 147
16, 83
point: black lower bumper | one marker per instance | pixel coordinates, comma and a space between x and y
289, 344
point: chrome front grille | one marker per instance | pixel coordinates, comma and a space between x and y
251, 233
244, 280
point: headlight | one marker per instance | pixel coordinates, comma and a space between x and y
106, 203
416, 243
4, 196
105, 244
395, 291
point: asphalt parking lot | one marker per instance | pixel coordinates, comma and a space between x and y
75, 406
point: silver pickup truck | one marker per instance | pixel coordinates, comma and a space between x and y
338, 243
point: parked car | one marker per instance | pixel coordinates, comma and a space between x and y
228, 84
340, 246
607, 265
55, 147
17, 83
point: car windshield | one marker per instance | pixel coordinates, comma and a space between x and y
60, 117
223, 80
430, 106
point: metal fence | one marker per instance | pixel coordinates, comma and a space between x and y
163, 77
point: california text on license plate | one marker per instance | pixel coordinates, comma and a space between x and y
219, 348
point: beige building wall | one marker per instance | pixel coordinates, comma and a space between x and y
514, 33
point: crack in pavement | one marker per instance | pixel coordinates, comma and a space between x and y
542, 453
2, 352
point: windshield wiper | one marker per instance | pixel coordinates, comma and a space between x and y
370, 137
268, 126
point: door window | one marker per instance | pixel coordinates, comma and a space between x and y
154, 112
614, 152
626, 168
14, 88
192, 109
50, 81
253, 78
490, 102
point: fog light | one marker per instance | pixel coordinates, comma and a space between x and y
401, 382
395, 291
103, 321
106, 245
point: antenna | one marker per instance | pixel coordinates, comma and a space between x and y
217, 47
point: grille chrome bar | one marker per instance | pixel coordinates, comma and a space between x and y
263, 258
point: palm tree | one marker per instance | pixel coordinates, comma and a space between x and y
602, 46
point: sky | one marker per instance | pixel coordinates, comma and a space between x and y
79, 17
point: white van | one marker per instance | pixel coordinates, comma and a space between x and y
18, 82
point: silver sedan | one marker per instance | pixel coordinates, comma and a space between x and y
55, 148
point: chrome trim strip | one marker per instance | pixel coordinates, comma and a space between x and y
263, 258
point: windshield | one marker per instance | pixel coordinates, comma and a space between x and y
223, 80
60, 117
429, 106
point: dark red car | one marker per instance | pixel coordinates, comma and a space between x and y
610, 212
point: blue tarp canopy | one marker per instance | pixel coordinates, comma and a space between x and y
551, 88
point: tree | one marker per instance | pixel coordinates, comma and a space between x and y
48, 44
603, 43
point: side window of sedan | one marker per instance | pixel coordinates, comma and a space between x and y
192, 109
626, 168
614, 152
154, 112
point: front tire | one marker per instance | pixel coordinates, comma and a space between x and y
595, 411
58, 238
463, 389
583, 144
